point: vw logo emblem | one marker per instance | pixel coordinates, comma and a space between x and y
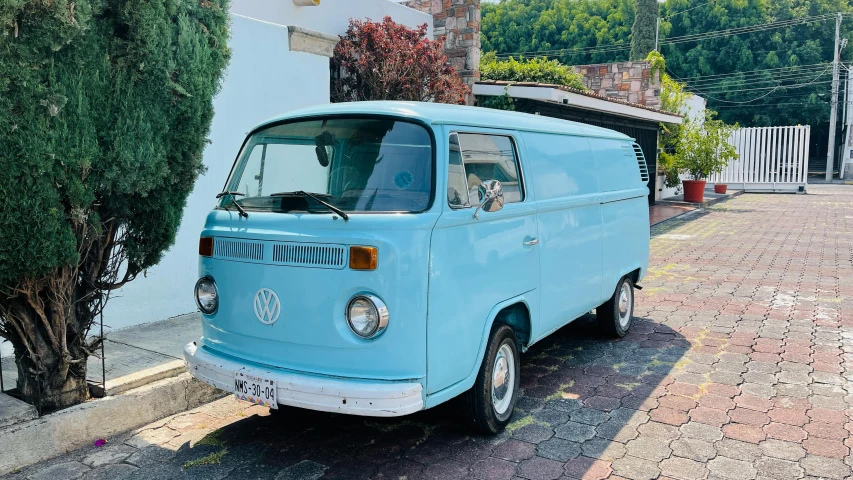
267, 306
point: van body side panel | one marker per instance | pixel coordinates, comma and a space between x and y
474, 266
569, 222
626, 239
624, 211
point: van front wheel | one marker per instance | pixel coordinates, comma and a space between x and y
616, 314
491, 400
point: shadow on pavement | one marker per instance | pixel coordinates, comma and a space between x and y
584, 396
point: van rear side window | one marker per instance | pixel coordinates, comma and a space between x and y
476, 158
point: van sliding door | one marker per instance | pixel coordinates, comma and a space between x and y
569, 223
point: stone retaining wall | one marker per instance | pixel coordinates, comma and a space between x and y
631, 81
458, 21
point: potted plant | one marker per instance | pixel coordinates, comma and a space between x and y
703, 150
668, 169
720, 188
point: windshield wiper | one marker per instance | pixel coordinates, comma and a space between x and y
234, 196
316, 198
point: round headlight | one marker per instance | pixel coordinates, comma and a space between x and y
367, 316
206, 295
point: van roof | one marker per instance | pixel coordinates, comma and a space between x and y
438, 113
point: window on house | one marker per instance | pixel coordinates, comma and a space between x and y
476, 158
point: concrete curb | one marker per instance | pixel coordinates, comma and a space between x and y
705, 204
14, 411
680, 215
144, 377
37, 440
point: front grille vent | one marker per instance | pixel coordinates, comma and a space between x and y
309, 255
634, 152
238, 249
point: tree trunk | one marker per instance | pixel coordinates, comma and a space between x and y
48, 323
58, 388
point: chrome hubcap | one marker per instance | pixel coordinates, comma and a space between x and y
625, 305
503, 379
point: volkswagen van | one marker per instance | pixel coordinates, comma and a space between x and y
380, 258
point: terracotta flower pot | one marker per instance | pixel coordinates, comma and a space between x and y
720, 188
694, 190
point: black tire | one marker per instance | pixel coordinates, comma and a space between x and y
611, 318
481, 409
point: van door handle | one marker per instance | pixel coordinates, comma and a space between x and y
534, 241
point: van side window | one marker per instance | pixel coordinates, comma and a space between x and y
483, 157
457, 187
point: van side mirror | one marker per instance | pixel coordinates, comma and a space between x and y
491, 195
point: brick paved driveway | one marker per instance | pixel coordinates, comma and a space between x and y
739, 368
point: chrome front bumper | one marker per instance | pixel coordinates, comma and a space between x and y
354, 397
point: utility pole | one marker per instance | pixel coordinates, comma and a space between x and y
848, 121
657, 35
830, 150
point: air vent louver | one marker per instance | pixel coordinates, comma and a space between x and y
309, 255
635, 152
238, 249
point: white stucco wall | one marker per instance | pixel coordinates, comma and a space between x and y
695, 106
331, 16
264, 79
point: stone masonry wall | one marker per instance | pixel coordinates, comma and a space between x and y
631, 81
459, 22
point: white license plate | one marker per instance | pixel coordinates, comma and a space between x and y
254, 389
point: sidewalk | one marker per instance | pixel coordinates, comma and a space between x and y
671, 207
129, 351
146, 380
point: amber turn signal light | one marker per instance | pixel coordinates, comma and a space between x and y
205, 246
363, 258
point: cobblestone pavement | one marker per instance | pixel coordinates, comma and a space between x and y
738, 368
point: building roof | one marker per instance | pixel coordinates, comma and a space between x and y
437, 114
573, 97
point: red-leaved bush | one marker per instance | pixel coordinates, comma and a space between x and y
388, 61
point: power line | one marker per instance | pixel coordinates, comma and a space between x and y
776, 87
778, 104
617, 46
756, 98
759, 70
749, 29
721, 82
685, 11
735, 79
570, 51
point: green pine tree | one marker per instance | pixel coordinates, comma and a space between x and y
105, 106
643, 31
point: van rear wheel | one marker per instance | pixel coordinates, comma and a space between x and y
491, 400
616, 314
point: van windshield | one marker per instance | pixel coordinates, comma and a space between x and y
355, 164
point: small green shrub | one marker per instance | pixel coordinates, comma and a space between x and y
703, 149
540, 70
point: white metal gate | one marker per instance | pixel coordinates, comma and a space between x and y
770, 159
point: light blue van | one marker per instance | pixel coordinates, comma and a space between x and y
380, 258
